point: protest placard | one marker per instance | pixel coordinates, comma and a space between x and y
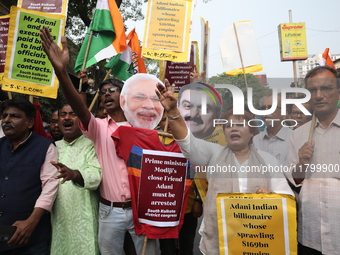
47, 6
263, 224
161, 189
167, 30
27, 68
4, 25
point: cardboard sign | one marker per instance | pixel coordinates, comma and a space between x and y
4, 25
167, 30
28, 70
257, 224
47, 6
161, 189
293, 41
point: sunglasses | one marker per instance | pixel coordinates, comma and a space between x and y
111, 90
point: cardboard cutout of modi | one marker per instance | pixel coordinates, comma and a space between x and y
139, 101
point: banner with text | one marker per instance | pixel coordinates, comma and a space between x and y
4, 25
162, 188
178, 73
167, 30
257, 224
293, 41
27, 68
47, 6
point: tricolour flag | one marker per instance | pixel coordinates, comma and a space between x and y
248, 49
108, 37
326, 59
129, 62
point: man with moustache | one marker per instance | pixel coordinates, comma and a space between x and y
27, 184
139, 101
80, 177
319, 199
115, 211
190, 106
54, 127
275, 138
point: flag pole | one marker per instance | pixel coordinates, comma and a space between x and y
167, 121
312, 126
144, 245
240, 54
294, 61
205, 53
85, 59
97, 92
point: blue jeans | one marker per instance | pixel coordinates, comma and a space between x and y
113, 223
41, 248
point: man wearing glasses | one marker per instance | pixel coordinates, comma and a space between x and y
115, 211
315, 167
275, 138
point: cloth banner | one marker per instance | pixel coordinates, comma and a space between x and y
27, 68
261, 224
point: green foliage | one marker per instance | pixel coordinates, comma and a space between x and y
152, 66
238, 80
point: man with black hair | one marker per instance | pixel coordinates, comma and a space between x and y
315, 167
275, 138
115, 210
190, 106
27, 184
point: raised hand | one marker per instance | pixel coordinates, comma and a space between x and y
58, 57
166, 97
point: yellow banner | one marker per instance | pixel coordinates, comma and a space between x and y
47, 6
263, 224
293, 41
167, 30
27, 68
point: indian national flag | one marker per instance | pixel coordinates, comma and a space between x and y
108, 38
129, 62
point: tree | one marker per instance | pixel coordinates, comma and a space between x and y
238, 80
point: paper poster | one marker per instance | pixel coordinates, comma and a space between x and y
4, 25
257, 224
27, 68
47, 6
161, 189
167, 30
178, 73
293, 41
